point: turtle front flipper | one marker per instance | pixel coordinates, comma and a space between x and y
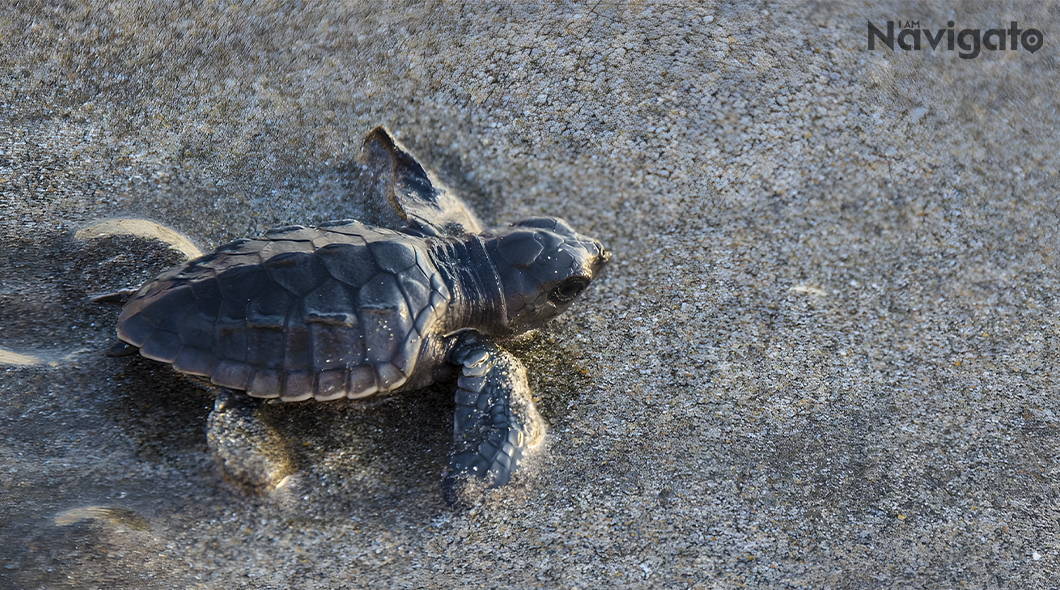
495, 419
425, 204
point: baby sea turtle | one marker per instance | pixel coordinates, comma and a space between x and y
348, 310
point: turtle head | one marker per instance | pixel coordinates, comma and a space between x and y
543, 265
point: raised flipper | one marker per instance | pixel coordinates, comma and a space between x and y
427, 207
495, 420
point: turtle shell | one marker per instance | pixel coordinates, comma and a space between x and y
339, 310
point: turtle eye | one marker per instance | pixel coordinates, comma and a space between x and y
566, 291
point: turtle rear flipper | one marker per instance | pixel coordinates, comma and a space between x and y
121, 348
495, 420
118, 348
427, 207
116, 298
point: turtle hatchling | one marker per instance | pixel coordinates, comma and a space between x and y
350, 310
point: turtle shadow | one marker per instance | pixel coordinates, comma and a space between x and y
162, 413
371, 459
381, 457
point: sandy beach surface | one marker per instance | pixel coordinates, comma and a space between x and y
824, 355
